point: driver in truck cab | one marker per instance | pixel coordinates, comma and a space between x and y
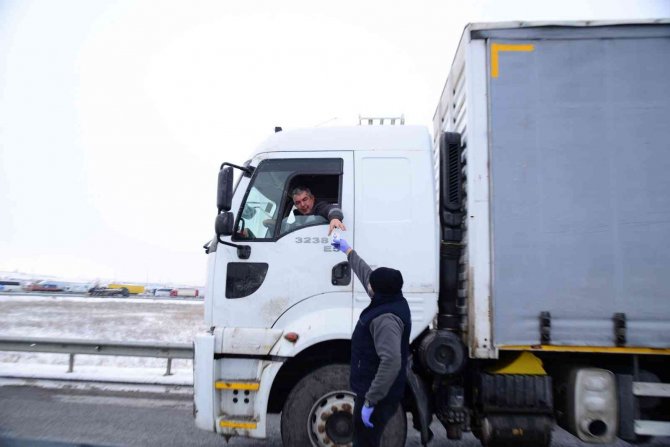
306, 205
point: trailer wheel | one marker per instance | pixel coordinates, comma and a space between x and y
319, 410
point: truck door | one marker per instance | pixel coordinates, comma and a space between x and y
396, 226
291, 257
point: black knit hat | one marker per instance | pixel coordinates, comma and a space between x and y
386, 280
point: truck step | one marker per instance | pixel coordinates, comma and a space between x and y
651, 389
243, 424
238, 385
652, 428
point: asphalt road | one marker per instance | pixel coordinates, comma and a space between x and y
44, 417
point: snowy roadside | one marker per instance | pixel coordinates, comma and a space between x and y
82, 318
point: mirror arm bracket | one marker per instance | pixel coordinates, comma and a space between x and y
247, 170
243, 251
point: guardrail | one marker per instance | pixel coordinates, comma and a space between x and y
167, 351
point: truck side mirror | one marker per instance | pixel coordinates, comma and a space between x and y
224, 193
224, 224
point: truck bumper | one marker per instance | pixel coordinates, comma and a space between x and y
203, 382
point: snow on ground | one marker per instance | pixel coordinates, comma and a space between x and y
112, 319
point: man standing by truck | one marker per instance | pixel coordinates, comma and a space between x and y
379, 349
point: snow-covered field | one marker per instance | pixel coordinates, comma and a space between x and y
83, 318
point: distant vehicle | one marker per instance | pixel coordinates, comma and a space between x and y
132, 289
44, 287
10, 286
107, 291
163, 292
78, 288
185, 292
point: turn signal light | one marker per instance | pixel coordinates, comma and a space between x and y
291, 336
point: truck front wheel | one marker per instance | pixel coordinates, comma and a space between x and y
319, 412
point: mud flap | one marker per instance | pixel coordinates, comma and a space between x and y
421, 414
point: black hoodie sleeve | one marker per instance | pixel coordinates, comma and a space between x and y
328, 211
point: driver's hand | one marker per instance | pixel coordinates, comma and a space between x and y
269, 223
336, 223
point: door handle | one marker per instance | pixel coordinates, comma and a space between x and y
341, 274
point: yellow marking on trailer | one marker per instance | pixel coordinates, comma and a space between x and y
238, 424
592, 349
496, 48
223, 385
524, 363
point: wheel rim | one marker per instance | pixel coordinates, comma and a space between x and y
331, 420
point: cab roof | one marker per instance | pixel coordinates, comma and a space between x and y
353, 138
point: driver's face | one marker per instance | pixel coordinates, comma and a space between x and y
304, 202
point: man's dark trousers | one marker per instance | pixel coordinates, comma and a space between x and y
371, 437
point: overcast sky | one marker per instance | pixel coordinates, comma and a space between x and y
115, 116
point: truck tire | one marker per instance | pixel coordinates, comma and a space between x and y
319, 410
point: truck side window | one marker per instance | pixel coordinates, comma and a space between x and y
267, 209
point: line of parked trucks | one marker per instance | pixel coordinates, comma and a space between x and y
113, 289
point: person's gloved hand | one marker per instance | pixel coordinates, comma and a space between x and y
366, 414
342, 245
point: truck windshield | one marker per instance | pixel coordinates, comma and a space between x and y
259, 212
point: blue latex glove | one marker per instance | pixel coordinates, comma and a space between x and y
366, 413
342, 245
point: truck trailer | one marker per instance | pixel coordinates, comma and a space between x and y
531, 229
133, 289
108, 291
185, 292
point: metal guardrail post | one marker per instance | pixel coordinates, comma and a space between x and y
70, 367
169, 367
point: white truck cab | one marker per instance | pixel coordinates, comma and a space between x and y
281, 296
